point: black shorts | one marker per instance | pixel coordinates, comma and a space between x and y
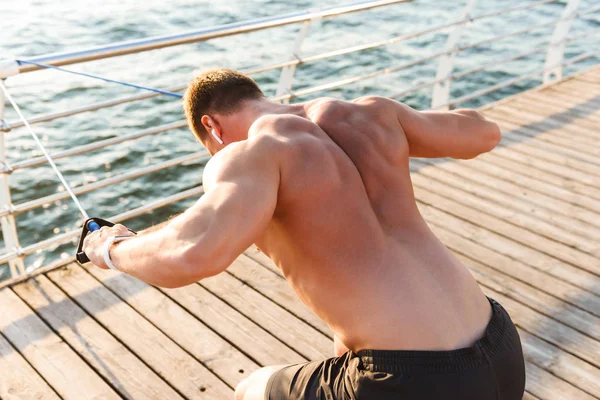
493, 368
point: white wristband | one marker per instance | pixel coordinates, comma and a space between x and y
108, 244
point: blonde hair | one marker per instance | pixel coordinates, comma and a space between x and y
219, 91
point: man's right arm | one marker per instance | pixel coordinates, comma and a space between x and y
462, 133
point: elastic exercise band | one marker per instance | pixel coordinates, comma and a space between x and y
102, 79
44, 151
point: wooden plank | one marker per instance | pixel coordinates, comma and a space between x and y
542, 176
549, 166
544, 303
536, 118
588, 79
517, 218
550, 330
188, 376
506, 199
482, 165
593, 76
541, 132
548, 387
560, 155
243, 333
584, 106
585, 89
529, 396
33, 272
559, 140
591, 73
182, 327
546, 130
586, 217
296, 333
493, 191
513, 249
518, 270
537, 242
51, 357
548, 113
536, 121
573, 99
18, 380
580, 107
576, 89
277, 289
566, 116
580, 148
577, 372
130, 377
580, 89
574, 114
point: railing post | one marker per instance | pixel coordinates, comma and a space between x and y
553, 70
287, 73
9, 227
441, 90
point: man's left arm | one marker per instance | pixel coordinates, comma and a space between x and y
241, 186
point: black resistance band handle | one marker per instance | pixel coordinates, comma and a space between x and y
91, 225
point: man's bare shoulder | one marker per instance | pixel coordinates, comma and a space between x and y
329, 109
276, 124
377, 103
372, 99
258, 153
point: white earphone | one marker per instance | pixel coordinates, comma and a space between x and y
217, 138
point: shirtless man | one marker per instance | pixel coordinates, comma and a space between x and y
323, 189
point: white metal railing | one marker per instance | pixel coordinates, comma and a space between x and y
552, 70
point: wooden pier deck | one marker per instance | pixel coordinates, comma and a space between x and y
524, 218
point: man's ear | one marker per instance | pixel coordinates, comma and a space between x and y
208, 122
212, 127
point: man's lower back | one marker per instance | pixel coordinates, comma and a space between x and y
492, 369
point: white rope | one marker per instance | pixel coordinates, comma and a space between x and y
39, 142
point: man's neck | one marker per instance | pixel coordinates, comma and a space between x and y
261, 107
255, 109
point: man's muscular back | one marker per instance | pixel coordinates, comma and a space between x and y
347, 233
